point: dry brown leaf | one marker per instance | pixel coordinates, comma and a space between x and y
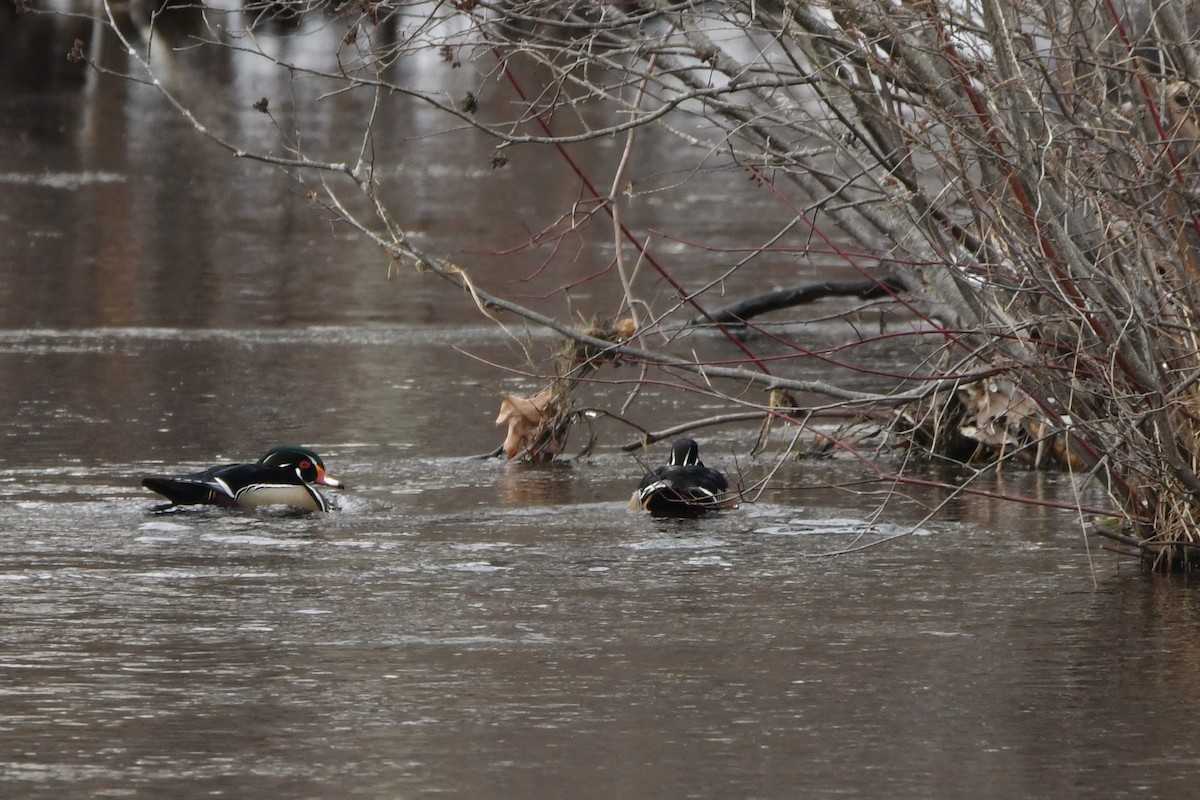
1000, 413
523, 415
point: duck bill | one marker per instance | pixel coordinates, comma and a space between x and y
325, 479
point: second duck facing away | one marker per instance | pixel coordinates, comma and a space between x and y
684, 487
284, 476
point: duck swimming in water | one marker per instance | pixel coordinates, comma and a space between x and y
684, 487
284, 476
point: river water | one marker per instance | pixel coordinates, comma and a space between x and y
463, 627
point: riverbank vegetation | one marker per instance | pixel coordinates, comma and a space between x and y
1008, 189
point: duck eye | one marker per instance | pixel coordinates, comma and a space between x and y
305, 464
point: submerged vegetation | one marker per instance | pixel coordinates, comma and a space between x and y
1010, 186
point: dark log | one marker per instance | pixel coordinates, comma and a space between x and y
739, 313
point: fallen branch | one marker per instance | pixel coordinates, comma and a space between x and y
739, 313
650, 437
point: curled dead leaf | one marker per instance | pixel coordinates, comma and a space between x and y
524, 415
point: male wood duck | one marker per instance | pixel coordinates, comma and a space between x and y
284, 476
684, 487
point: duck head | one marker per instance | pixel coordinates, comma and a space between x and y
308, 464
685, 452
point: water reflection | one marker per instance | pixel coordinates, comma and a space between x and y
441, 184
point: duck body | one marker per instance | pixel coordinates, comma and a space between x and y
284, 476
684, 487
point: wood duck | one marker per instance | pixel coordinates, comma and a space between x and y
284, 476
684, 487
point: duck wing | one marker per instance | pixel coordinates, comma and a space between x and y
214, 486
682, 490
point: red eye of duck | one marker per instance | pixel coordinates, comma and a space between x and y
305, 464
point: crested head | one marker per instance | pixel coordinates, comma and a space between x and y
685, 452
290, 455
304, 460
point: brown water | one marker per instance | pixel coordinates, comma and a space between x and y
467, 628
